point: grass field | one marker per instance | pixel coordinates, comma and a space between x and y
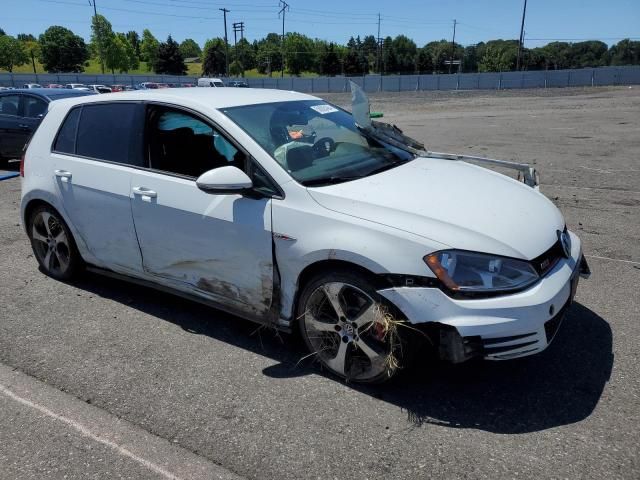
193, 70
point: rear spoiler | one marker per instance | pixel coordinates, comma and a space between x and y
393, 136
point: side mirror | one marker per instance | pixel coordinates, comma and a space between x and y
224, 180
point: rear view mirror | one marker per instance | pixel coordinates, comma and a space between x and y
224, 180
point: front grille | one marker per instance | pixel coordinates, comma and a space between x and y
545, 262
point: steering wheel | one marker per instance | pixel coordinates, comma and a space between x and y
323, 147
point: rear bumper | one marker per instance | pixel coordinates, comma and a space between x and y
499, 328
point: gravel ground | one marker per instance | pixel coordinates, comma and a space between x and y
238, 397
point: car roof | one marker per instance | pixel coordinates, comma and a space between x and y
211, 97
46, 92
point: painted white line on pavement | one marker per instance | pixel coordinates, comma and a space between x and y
613, 259
87, 433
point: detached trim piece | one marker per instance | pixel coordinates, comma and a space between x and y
529, 174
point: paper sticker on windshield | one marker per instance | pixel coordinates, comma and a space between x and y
324, 109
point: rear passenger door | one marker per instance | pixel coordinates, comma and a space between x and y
94, 154
13, 133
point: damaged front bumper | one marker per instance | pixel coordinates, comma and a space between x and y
498, 328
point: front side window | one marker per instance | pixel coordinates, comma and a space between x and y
9, 105
315, 142
105, 132
184, 144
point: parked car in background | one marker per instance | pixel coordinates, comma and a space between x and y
210, 82
148, 86
77, 86
21, 111
163, 85
284, 209
188, 85
99, 88
55, 85
32, 85
238, 84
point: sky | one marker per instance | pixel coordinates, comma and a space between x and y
337, 20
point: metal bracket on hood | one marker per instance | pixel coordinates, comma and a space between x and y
526, 173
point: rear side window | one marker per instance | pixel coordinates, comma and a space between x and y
9, 104
34, 107
106, 131
66, 140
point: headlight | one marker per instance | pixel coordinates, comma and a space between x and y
478, 272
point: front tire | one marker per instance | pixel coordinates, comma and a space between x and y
350, 329
53, 244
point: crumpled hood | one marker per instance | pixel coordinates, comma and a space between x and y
454, 203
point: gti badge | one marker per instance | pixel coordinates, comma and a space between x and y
565, 242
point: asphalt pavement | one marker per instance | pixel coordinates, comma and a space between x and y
104, 379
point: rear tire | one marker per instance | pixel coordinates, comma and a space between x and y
52, 243
351, 329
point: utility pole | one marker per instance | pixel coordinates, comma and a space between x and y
521, 42
238, 27
285, 7
98, 32
453, 45
379, 49
226, 43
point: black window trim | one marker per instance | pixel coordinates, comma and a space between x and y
213, 124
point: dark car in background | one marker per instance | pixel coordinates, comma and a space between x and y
21, 111
238, 84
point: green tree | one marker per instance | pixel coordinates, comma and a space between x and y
102, 39
214, 58
134, 41
498, 56
12, 53
62, 51
170, 60
149, 48
2, 32
406, 54
298, 53
26, 37
329, 63
625, 52
268, 53
189, 48
556, 55
120, 54
244, 53
591, 53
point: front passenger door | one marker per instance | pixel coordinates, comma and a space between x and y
216, 246
13, 134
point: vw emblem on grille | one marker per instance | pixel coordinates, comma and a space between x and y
565, 243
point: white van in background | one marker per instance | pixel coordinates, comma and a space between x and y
210, 82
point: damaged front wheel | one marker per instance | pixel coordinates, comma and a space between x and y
349, 329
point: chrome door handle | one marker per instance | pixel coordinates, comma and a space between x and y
23, 126
63, 175
145, 192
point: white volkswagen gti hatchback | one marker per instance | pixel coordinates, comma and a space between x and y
281, 208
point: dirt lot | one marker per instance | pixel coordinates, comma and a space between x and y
223, 393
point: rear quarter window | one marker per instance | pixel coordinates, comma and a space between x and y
66, 139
